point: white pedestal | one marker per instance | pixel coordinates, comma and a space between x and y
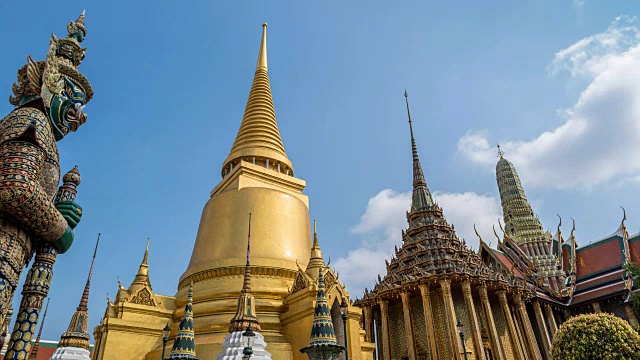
70, 353
232, 348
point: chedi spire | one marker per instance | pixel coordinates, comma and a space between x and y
421, 199
246, 311
322, 343
184, 345
75, 341
258, 138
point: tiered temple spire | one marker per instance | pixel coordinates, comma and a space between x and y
322, 343
77, 335
421, 198
246, 311
184, 345
142, 277
258, 138
315, 261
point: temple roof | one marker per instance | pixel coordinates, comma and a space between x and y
258, 135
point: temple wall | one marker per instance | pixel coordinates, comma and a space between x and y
501, 326
462, 315
419, 327
440, 325
398, 335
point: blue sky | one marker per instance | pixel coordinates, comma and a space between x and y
553, 81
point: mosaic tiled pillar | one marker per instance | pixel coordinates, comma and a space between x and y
473, 319
496, 347
542, 328
386, 346
551, 320
35, 289
368, 323
596, 307
428, 320
502, 297
407, 324
529, 336
631, 316
450, 315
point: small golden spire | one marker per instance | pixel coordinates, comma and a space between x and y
142, 277
500, 152
315, 261
146, 253
262, 57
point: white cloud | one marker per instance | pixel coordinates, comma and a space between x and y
599, 139
579, 3
382, 222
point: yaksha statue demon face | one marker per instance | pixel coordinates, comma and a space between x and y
49, 97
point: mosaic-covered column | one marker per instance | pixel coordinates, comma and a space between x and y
386, 346
542, 328
473, 318
504, 304
450, 315
368, 323
631, 316
596, 307
428, 320
496, 347
553, 326
529, 336
407, 325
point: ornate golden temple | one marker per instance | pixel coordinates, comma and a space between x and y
257, 178
509, 301
439, 299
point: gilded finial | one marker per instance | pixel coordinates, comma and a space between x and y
315, 235
262, 57
560, 224
146, 253
500, 152
624, 215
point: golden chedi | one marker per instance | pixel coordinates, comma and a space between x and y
257, 178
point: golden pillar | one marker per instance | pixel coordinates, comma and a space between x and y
473, 318
386, 346
428, 320
529, 336
631, 316
368, 323
517, 351
491, 324
450, 315
407, 324
553, 326
596, 307
542, 328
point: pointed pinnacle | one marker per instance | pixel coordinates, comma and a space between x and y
84, 301
262, 56
146, 253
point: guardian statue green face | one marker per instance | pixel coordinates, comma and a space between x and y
49, 99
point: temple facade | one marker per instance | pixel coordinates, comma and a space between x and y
257, 178
509, 301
